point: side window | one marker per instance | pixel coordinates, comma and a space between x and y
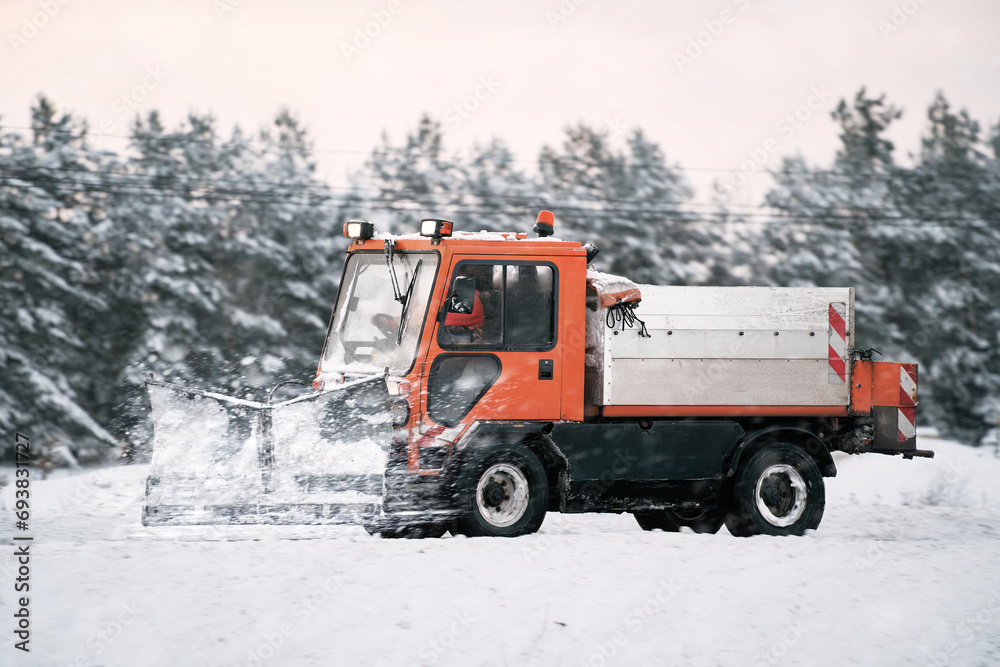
530, 306
514, 307
456, 382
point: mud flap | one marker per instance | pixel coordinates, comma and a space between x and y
315, 459
896, 433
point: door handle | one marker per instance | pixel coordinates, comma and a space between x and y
545, 369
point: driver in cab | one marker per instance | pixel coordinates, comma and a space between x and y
465, 318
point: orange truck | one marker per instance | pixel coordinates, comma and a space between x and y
473, 382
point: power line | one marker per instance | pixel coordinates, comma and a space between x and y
216, 189
220, 189
417, 201
394, 150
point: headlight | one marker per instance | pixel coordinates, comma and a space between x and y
435, 228
359, 229
400, 409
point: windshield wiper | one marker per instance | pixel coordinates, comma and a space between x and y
406, 302
390, 250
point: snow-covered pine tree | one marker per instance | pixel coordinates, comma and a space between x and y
685, 245
836, 227
949, 271
499, 196
583, 178
400, 185
165, 239
47, 286
735, 258
230, 256
629, 203
159, 265
285, 256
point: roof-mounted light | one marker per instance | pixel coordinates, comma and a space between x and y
359, 229
544, 224
435, 228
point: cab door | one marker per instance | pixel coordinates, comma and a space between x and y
498, 355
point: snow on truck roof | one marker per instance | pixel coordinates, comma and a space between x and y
611, 289
482, 235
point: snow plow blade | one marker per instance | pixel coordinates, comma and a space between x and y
315, 459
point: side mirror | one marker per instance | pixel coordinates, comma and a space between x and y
463, 295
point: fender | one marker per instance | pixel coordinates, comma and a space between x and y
794, 434
534, 435
513, 430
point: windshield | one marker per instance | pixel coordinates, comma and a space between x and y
371, 329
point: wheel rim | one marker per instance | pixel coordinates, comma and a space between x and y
781, 495
502, 495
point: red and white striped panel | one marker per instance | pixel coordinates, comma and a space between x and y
838, 343
428, 436
907, 422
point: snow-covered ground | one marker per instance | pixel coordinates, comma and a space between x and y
904, 569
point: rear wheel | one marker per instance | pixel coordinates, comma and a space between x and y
699, 520
503, 492
778, 491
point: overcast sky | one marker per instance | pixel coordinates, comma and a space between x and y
712, 82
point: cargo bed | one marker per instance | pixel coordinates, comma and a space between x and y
724, 350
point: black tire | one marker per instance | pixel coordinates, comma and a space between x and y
671, 521
502, 492
410, 531
778, 491
738, 526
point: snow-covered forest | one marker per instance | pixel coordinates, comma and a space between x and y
212, 257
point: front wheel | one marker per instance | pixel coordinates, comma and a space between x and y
778, 491
503, 492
